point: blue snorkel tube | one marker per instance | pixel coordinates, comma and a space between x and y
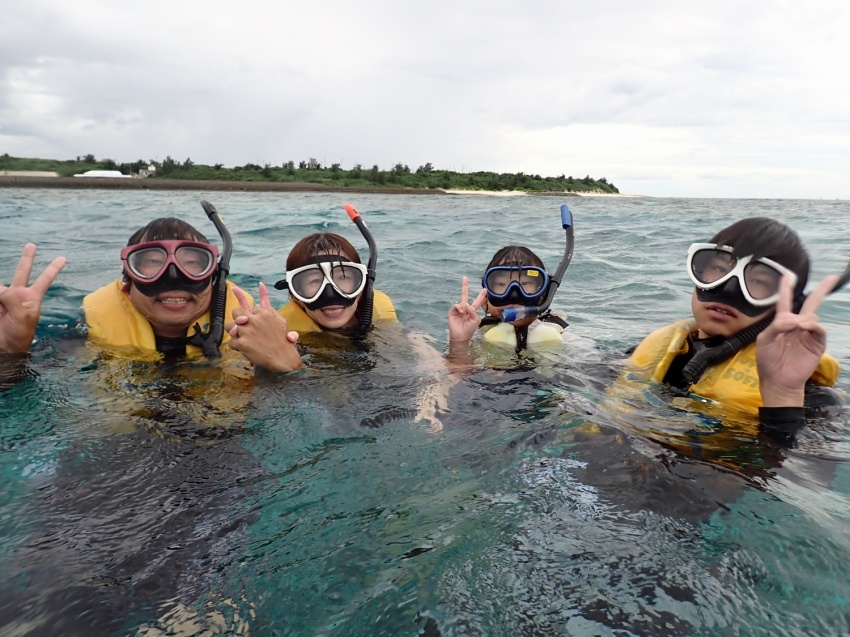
516, 313
368, 295
210, 341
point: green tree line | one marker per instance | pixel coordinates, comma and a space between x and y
399, 176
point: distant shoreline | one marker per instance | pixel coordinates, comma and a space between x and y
106, 183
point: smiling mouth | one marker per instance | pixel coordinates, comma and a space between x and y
173, 301
722, 310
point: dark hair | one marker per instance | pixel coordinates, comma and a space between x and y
164, 229
311, 245
515, 254
765, 237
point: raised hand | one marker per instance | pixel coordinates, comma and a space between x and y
788, 351
20, 303
463, 316
260, 334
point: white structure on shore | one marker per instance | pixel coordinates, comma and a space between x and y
102, 173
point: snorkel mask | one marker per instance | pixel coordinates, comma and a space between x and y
748, 285
534, 303
515, 284
327, 281
170, 265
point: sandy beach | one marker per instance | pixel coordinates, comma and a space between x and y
521, 193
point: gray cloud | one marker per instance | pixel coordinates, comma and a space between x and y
727, 99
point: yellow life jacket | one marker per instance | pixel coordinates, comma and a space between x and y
115, 323
539, 333
298, 320
733, 382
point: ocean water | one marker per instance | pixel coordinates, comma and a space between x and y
145, 499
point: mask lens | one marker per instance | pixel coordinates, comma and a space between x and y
762, 280
194, 261
497, 281
346, 278
531, 280
307, 283
147, 263
709, 266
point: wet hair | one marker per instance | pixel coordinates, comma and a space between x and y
765, 237
164, 229
327, 242
515, 254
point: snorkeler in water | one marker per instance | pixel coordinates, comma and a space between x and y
755, 341
333, 301
515, 279
167, 286
327, 289
174, 294
330, 290
516, 295
20, 303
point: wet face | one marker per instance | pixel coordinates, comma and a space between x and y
171, 313
333, 317
719, 319
498, 283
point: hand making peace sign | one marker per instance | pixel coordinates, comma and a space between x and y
789, 349
20, 305
463, 316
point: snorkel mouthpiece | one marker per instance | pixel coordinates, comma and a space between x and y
511, 314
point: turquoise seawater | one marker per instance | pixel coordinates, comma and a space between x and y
138, 498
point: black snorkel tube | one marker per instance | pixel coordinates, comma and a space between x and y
707, 357
368, 295
210, 341
516, 313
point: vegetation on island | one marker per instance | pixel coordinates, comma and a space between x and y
312, 172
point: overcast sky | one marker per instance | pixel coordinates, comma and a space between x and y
729, 98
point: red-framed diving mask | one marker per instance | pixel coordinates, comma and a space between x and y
169, 265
